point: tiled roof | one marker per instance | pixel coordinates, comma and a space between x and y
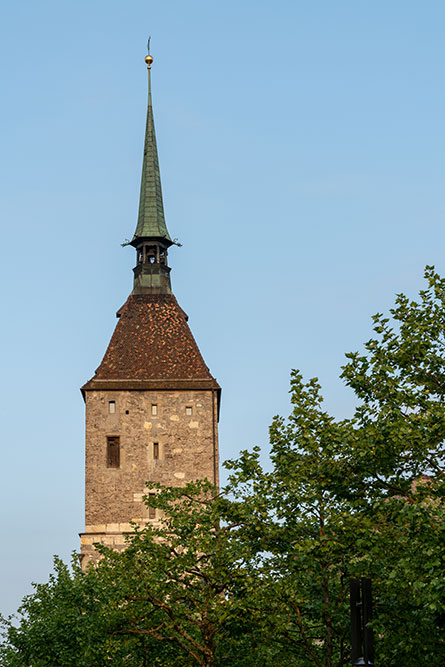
152, 344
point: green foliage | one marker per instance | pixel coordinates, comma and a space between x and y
397, 462
184, 581
309, 532
66, 622
178, 595
361, 497
258, 574
401, 383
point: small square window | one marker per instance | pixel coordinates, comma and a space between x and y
111, 407
154, 410
156, 450
189, 411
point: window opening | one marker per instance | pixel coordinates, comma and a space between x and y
154, 410
111, 407
151, 510
113, 451
189, 411
156, 450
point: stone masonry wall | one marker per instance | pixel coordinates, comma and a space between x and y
188, 450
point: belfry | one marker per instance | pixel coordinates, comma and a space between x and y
152, 406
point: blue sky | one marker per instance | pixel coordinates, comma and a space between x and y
302, 159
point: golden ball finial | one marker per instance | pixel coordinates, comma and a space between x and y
148, 61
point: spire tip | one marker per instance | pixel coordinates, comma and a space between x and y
148, 57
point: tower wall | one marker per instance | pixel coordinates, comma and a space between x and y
187, 450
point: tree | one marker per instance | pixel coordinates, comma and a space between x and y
187, 581
397, 464
309, 532
182, 593
67, 622
361, 497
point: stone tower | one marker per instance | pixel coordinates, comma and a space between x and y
152, 405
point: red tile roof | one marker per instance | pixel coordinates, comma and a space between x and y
152, 347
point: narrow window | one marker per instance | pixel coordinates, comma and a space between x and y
154, 410
151, 510
156, 450
111, 407
113, 451
189, 411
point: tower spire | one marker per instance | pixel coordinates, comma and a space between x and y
151, 238
152, 406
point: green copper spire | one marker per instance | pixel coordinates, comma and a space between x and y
151, 221
151, 238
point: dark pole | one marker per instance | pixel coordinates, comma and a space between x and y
368, 634
356, 643
362, 638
